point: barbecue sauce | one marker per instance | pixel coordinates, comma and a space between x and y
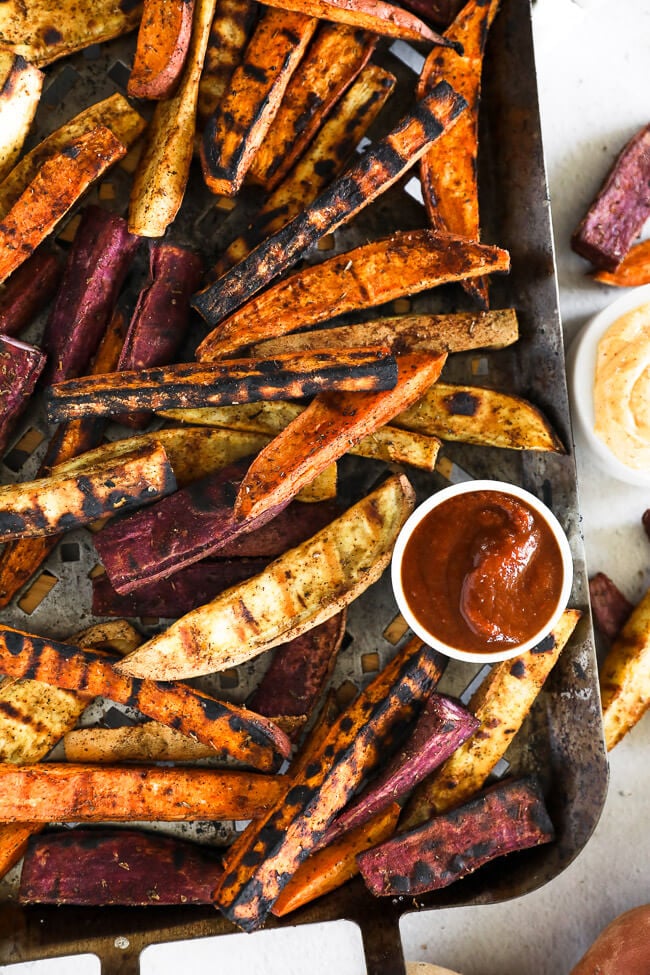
482, 572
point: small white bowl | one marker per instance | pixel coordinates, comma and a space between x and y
581, 370
432, 502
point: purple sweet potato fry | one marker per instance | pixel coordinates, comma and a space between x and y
291, 526
170, 598
439, 12
443, 725
161, 315
100, 257
622, 206
299, 671
609, 606
112, 866
191, 525
28, 291
506, 817
20, 367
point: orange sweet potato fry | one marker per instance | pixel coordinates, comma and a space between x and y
163, 42
632, 272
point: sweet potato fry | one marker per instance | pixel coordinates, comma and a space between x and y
42, 34
272, 848
163, 42
374, 173
632, 272
244, 115
123, 866
28, 291
234, 381
113, 112
59, 183
231, 28
501, 703
161, 177
232, 731
443, 725
95, 270
476, 415
177, 594
387, 443
458, 332
300, 589
451, 192
50, 505
404, 264
334, 58
299, 671
53, 792
329, 868
321, 162
506, 817
622, 206
148, 742
20, 367
625, 675
324, 431
611, 609
373, 15
20, 91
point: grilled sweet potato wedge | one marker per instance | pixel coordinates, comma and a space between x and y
321, 162
41, 33
59, 183
50, 505
611, 609
300, 589
330, 867
476, 415
234, 381
324, 431
373, 15
386, 443
20, 367
98, 262
334, 58
232, 731
508, 816
28, 291
622, 206
375, 172
404, 264
625, 675
148, 742
231, 28
161, 177
232, 136
113, 113
457, 332
271, 848
451, 193
20, 91
124, 866
632, 272
54, 792
500, 703
163, 42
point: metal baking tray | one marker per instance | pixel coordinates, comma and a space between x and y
562, 739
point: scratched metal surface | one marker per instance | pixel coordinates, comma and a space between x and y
562, 739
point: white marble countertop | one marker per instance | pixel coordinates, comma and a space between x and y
594, 68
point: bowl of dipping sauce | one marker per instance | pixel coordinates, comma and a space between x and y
608, 368
482, 571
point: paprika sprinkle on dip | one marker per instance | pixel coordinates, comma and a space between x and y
483, 571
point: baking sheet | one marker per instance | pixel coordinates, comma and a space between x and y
562, 739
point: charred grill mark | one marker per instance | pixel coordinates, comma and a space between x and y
255, 72
52, 36
518, 669
545, 645
462, 403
